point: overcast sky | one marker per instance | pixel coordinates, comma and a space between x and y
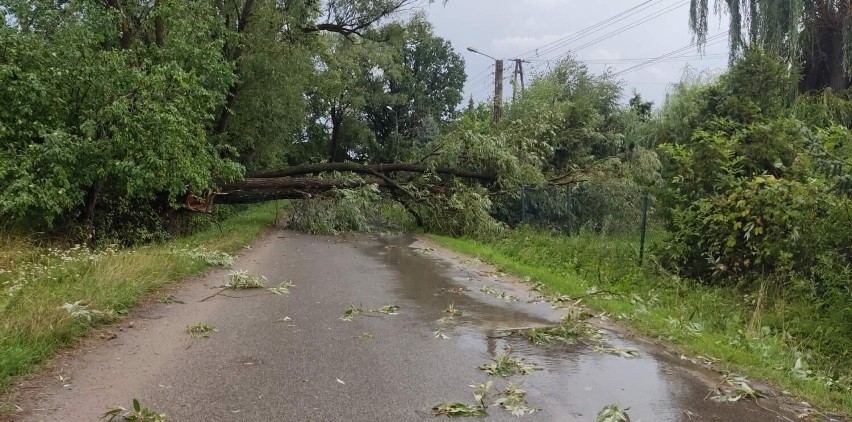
507, 29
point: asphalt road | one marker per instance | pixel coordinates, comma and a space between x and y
291, 357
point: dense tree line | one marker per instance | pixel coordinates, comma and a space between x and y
116, 111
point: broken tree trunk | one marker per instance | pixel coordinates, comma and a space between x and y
253, 190
304, 169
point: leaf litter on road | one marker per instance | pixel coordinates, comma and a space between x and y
505, 365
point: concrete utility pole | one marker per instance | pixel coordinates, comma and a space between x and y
498, 90
498, 84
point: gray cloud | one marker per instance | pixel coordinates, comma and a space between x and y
508, 28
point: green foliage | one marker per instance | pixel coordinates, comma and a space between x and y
741, 194
613, 413
346, 210
137, 414
81, 113
704, 321
50, 297
758, 197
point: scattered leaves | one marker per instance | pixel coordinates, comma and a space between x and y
441, 335
454, 410
281, 289
137, 414
389, 309
169, 299
452, 310
734, 388
514, 400
613, 413
628, 352
241, 280
505, 365
80, 310
200, 330
350, 313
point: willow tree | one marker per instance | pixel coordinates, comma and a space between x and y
816, 34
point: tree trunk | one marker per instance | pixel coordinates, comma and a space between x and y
234, 56
823, 56
159, 26
336, 126
303, 169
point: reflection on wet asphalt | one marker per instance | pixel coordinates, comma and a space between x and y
312, 366
576, 381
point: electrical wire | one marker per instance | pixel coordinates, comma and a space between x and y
594, 27
641, 21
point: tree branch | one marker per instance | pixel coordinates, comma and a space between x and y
370, 169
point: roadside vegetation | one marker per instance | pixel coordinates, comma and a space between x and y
749, 189
52, 296
115, 115
708, 324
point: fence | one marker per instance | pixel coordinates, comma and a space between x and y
610, 210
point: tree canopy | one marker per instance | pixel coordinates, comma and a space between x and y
813, 34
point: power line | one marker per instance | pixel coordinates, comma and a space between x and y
625, 28
591, 28
667, 55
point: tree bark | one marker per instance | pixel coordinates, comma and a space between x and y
370, 169
336, 127
267, 189
226, 112
159, 26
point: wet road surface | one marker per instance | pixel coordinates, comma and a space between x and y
292, 358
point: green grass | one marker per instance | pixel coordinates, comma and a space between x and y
696, 319
33, 324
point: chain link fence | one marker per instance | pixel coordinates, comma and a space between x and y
623, 211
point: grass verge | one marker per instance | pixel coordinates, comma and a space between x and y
721, 324
49, 297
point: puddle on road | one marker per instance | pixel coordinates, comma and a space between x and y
575, 381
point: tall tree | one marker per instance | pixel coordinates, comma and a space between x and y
816, 34
423, 89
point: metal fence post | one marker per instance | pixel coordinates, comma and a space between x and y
644, 227
569, 206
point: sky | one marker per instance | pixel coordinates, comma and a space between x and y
509, 29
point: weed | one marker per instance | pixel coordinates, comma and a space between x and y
283, 288
613, 413
34, 323
137, 414
200, 330
241, 280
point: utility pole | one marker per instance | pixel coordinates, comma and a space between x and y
498, 90
498, 84
518, 73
